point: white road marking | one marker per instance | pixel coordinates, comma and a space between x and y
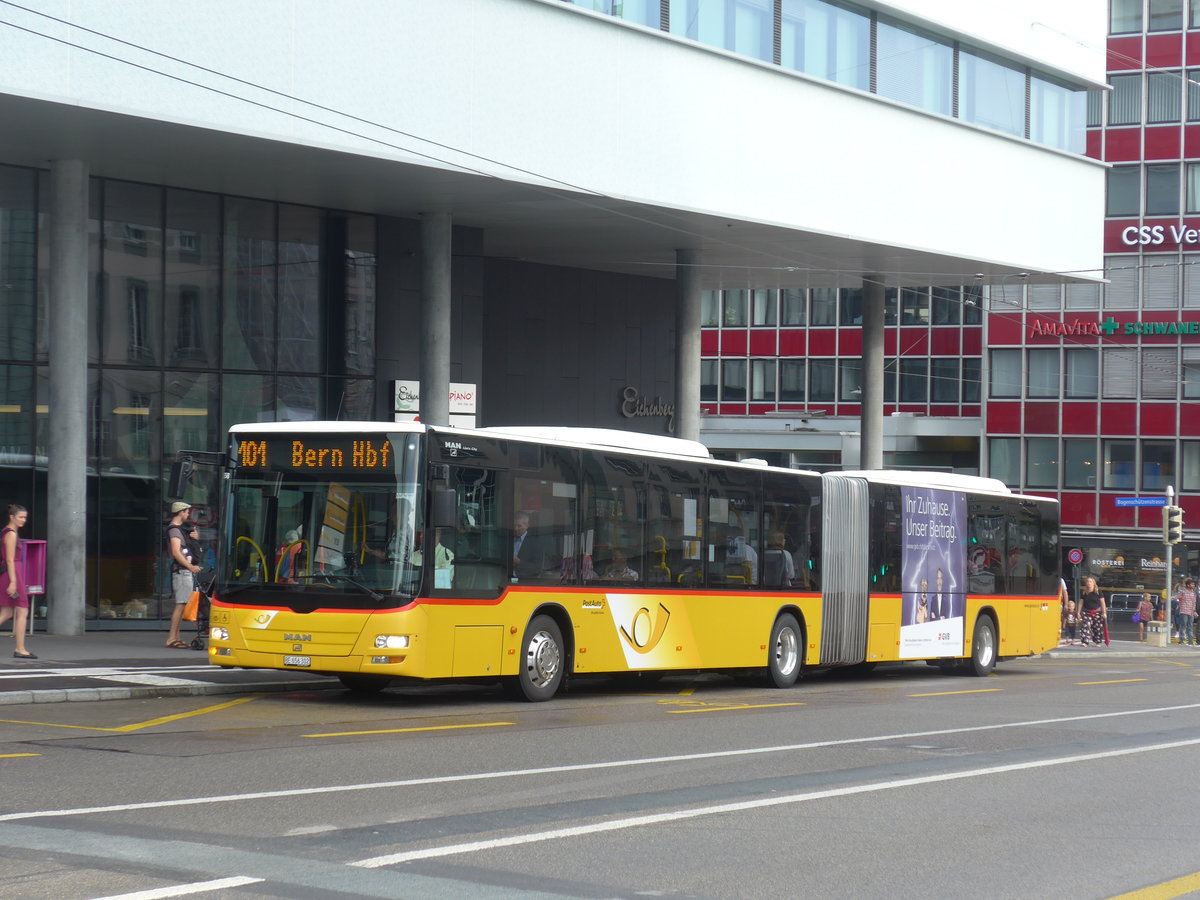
578, 767
182, 890
376, 862
23, 674
156, 680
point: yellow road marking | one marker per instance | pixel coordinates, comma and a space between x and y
951, 693
1115, 681
139, 725
17, 755
687, 692
1174, 662
728, 708
1177, 887
405, 730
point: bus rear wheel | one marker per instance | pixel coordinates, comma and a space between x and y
542, 660
983, 648
364, 684
784, 654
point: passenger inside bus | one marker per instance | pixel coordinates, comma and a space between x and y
619, 569
779, 570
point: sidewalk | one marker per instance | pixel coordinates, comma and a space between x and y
120, 665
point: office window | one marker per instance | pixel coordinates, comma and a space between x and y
1043, 372
708, 380
735, 308
1124, 191
991, 94
1190, 466
1160, 285
1095, 108
1120, 372
1192, 187
851, 306
762, 381
947, 305
890, 370
824, 306
1082, 372
1119, 460
821, 380
1079, 463
1193, 89
710, 308
1041, 462
828, 41
1044, 296
1158, 465
1191, 373
1082, 296
1164, 97
972, 304
791, 381
914, 68
1125, 16
1006, 373
1160, 373
1122, 273
1162, 190
763, 307
733, 380
1165, 15
1059, 115
914, 306
850, 380
971, 368
944, 381
1004, 460
1194, 14
1125, 100
914, 380
1191, 280
741, 26
793, 306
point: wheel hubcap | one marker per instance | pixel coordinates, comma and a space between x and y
987, 647
542, 659
787, 654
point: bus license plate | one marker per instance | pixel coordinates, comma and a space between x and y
302, 661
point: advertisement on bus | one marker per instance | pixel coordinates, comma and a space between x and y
932, 572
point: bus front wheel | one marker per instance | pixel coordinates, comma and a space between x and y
542, 660
784, 652
983, 648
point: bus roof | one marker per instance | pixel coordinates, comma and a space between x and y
949, 480
606, 437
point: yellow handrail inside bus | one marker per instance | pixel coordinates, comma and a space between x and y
287, 550
258, 550
661, 553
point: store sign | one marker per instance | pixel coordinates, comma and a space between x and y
1156, 235
406, 405
1110, 327
634, 405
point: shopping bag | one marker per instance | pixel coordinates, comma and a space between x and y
191, 609
1137, 617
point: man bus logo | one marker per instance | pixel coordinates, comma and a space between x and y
646, 632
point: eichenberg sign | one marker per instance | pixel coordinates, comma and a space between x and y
1110, 327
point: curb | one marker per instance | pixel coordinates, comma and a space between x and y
87, 695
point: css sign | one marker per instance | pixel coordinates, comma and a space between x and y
1142, 235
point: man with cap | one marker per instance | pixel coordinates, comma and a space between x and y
183, 568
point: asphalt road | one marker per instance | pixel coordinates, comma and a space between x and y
1052, 778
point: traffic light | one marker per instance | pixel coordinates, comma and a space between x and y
1172, 524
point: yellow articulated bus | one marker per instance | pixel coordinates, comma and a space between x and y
377, 552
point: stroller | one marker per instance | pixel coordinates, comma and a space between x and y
204, 584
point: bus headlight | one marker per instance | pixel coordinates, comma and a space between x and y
391, 641
218, 634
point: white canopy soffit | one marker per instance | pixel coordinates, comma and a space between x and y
520, 221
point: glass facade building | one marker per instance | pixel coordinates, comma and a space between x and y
206, 310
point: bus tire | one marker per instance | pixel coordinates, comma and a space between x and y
785, 651
365, 685
542, 660
983, 648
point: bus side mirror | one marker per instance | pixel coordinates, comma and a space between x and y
443, 508
181, 473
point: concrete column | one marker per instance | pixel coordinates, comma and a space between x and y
436, 257
871, 421
66, 449
687, 344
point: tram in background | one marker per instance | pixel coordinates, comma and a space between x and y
382, 551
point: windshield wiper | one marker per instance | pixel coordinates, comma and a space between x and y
375, 595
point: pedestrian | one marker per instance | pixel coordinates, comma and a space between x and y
1186, 596
14, 592
1092, 613
1145, 613
1069, 622
183, 568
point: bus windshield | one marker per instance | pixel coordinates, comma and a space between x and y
331, 524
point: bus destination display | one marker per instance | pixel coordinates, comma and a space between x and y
332, 454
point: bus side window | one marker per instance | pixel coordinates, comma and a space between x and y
479, 558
